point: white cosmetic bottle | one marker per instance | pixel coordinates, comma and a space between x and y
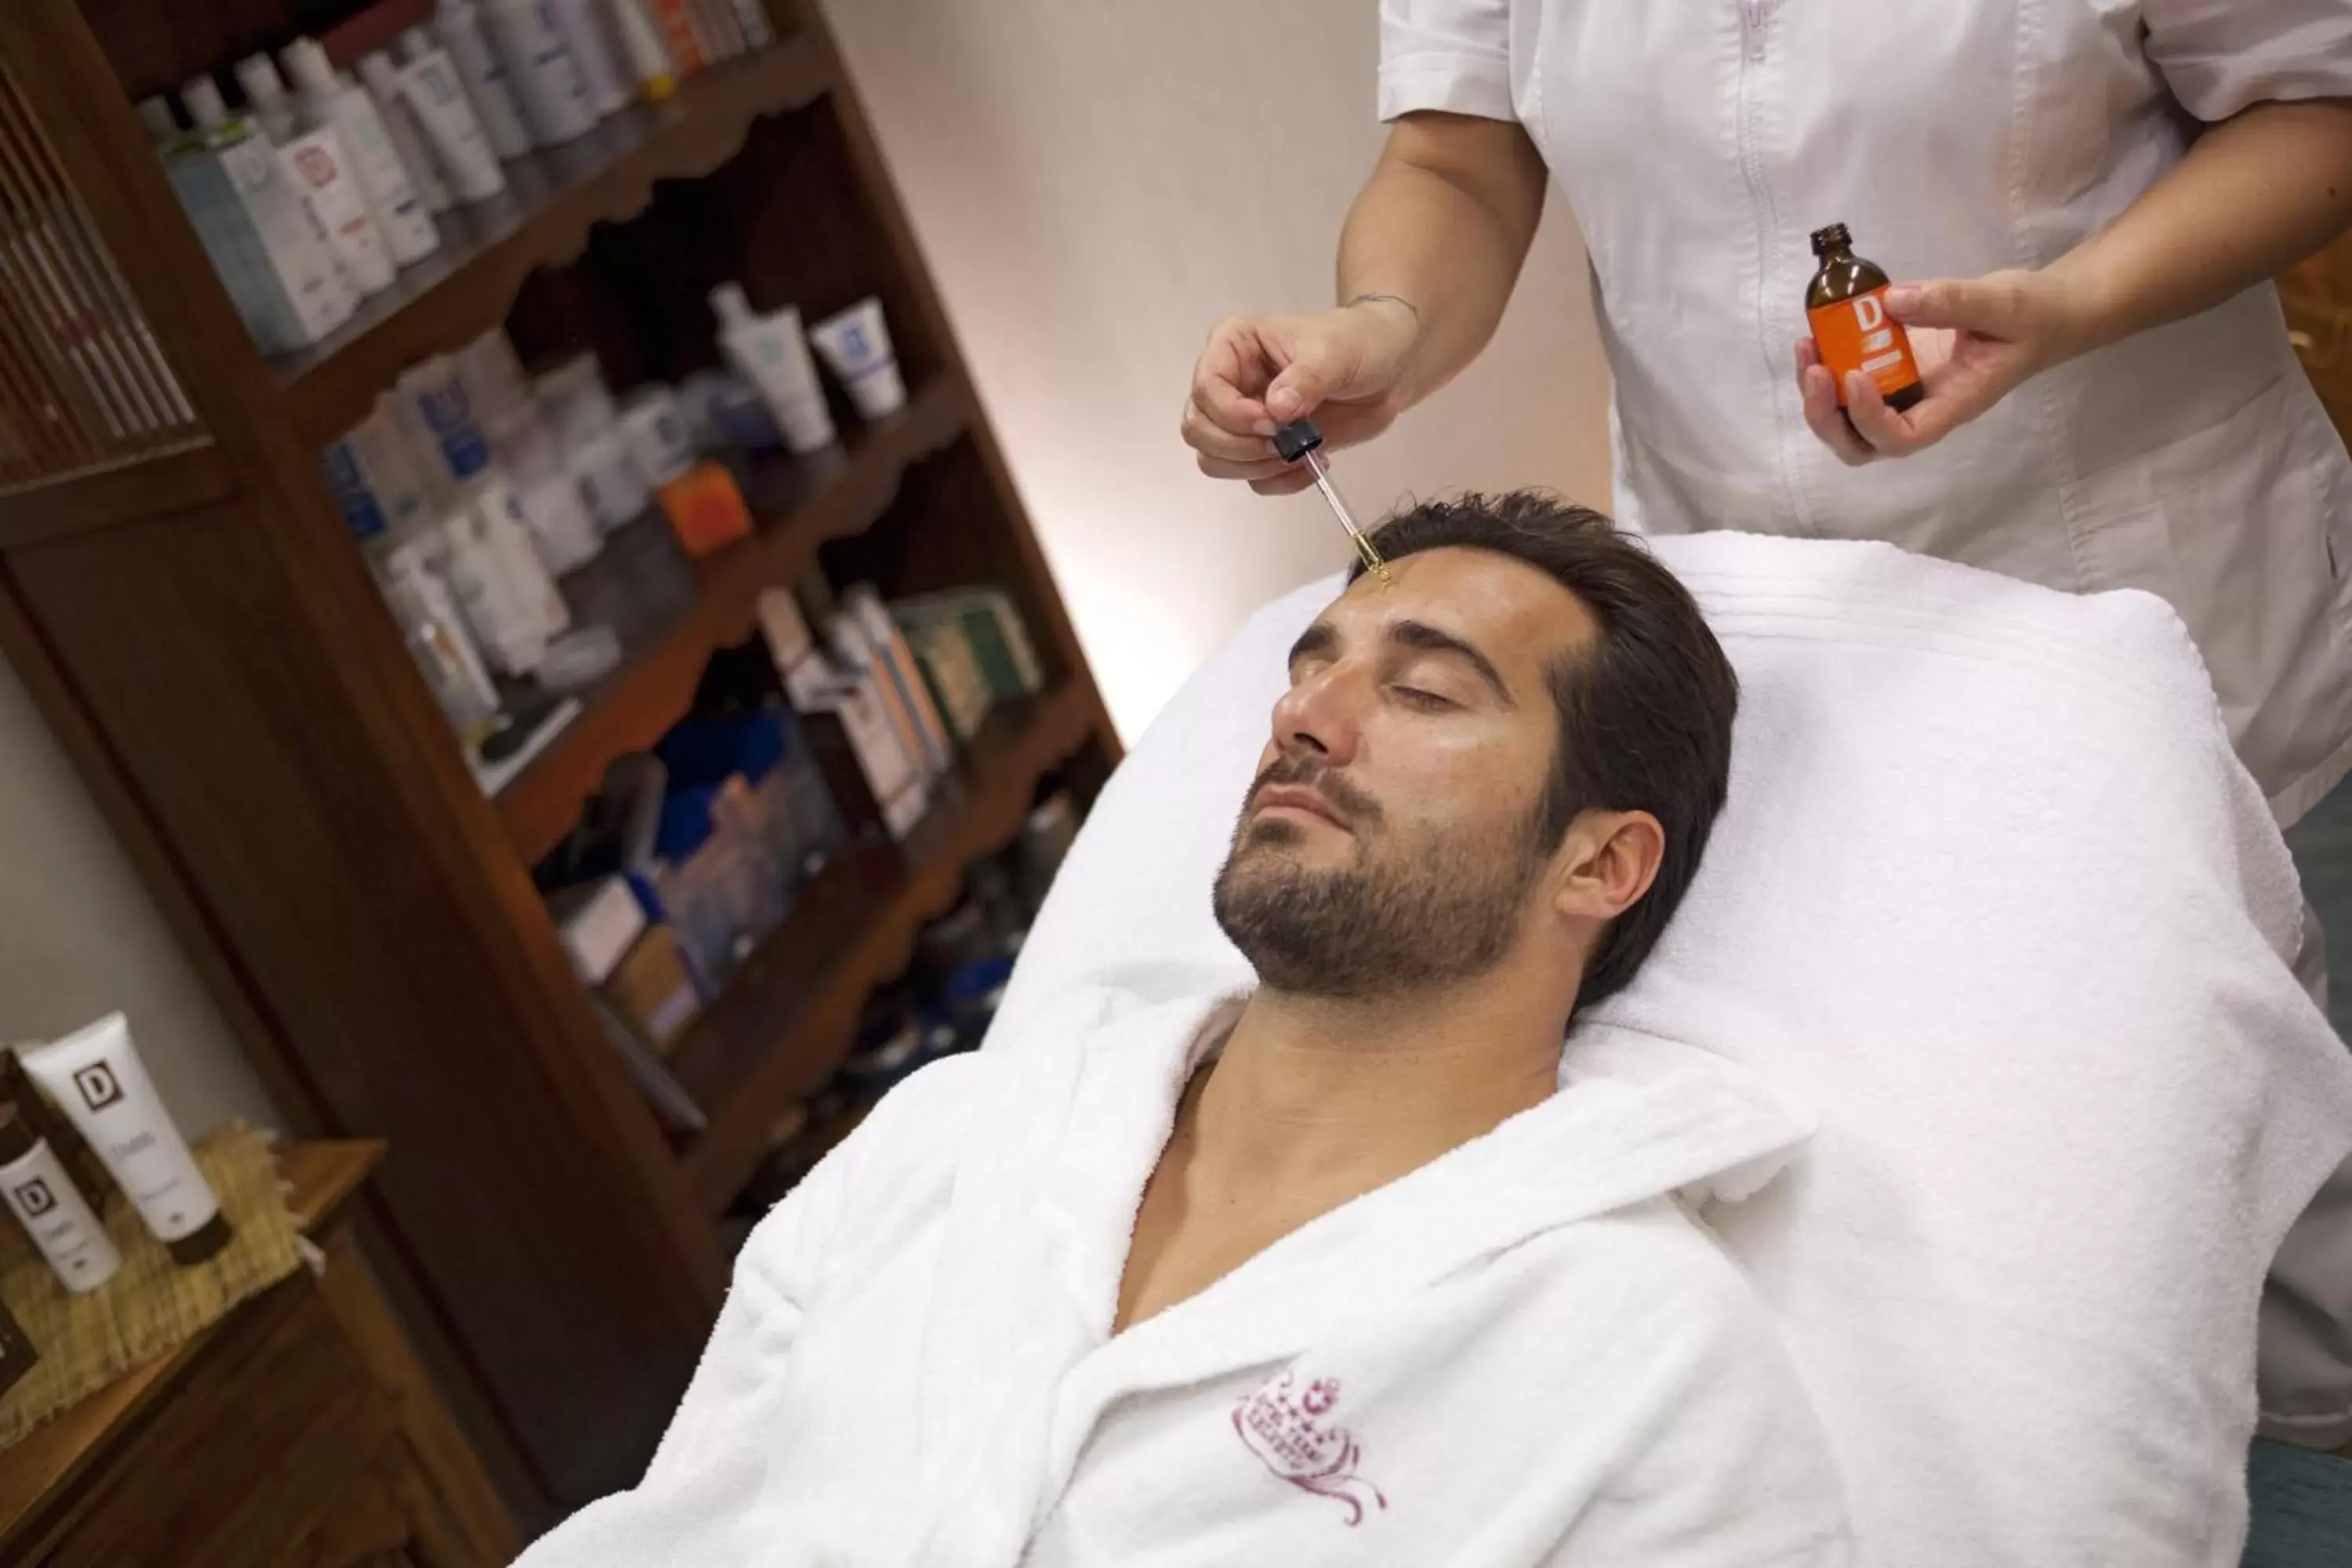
544, 72
42, 1196
327, 101
586, 26
459, 24
264, 94
201, 96
382, 79
435, 94
649, 58
155, 119
771, 353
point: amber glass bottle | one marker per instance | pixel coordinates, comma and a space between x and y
1847, 304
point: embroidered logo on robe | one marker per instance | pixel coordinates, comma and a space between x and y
1285, 1426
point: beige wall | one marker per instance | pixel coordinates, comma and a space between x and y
79, 937
1095, 186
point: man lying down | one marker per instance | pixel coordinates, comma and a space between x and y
1336, 1271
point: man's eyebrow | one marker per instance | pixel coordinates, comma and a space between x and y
1421, 635
1318, 638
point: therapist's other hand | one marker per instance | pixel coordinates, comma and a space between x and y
1976, 341
1344, 367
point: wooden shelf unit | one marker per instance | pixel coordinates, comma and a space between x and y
199, 628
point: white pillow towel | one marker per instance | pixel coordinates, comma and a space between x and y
1994, 899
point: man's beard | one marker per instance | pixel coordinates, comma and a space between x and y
1388, 923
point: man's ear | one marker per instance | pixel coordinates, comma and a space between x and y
1606, 863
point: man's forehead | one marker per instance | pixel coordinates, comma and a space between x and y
1510, 611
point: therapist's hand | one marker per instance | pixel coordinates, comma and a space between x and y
1344, 367
1976, 340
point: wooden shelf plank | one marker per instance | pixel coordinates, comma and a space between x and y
671, 615
543, 218
789, 1014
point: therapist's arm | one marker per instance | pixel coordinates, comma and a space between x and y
1431, 249
2255, 194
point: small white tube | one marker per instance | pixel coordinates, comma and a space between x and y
771, 353
431, 88
96, 1076
856, 344
331, 101
322, 172
542, 70
382, 79
459, 24
41, 1194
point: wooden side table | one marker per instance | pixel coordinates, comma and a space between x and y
298, 1432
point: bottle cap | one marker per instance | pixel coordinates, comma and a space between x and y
377, 70
307, 63
16, 1136
264, 89
415, 44
727, 302
1834, 238
201, 97
1295, 440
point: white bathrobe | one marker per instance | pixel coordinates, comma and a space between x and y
1527, 1352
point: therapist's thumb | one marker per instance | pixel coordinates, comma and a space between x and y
1298, 390
1998, 305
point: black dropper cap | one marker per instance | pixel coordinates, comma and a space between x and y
1834, 238
1295, 440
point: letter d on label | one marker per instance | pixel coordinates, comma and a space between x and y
1869, 313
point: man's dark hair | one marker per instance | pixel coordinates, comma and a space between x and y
1645, 709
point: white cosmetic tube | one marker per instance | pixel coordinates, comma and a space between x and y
45, 1200
856, 348
459, 24
771, 353
430, 85
381, 79
96, 1076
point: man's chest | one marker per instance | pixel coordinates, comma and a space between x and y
1190, 1231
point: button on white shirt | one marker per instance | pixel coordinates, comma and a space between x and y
1700, 141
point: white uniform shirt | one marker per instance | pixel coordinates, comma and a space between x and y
1700, 141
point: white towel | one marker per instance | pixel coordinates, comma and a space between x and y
1994, 899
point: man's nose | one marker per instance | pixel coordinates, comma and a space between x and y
1320, 716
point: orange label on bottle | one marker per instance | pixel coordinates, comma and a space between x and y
1858, 334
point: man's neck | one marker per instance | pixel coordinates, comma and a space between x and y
1311, 1090
1314, 1103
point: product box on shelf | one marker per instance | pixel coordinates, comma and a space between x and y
249, 218
999, 639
